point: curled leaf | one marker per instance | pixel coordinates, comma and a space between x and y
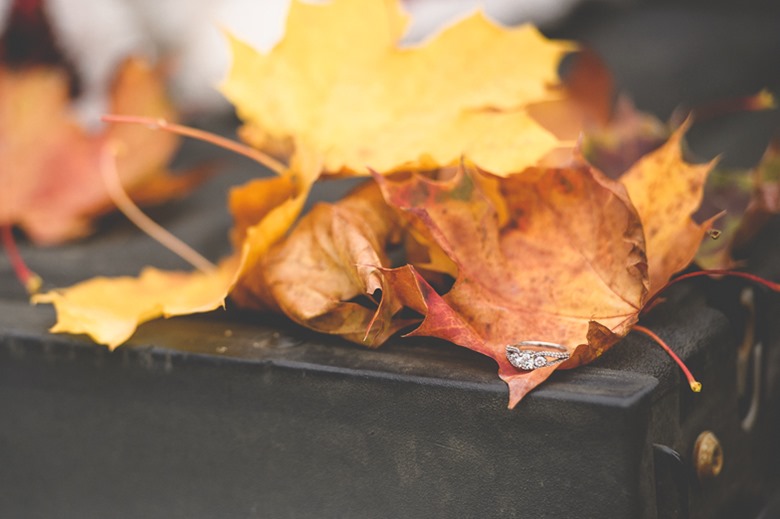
332, 258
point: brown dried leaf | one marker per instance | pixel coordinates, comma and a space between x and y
326, 274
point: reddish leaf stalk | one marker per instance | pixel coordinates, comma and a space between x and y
715, 272
30, 280
161, 124
695, 384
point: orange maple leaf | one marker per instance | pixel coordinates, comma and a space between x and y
49, 164
568, 268
572, 265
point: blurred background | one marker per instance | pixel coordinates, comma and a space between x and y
665, 55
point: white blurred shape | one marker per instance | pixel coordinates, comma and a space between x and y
187, 34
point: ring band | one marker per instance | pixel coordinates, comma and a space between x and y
529, 360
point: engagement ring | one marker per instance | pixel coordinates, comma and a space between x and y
528, 360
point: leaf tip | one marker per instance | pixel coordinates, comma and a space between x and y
692, 382
33, 284
764, 100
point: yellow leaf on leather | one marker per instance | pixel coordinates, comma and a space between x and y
110, 309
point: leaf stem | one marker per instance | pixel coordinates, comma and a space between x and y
123, 202
715, 272
161, 124
763, 100
30, 280
695, 384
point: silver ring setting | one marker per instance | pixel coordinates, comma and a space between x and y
529, 360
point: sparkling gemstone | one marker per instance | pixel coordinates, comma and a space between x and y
526, 361
540, 361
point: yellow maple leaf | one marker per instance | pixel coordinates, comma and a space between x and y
340, 84
110, 309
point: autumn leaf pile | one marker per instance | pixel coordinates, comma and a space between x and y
506, 230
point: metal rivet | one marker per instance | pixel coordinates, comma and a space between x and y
707, 455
